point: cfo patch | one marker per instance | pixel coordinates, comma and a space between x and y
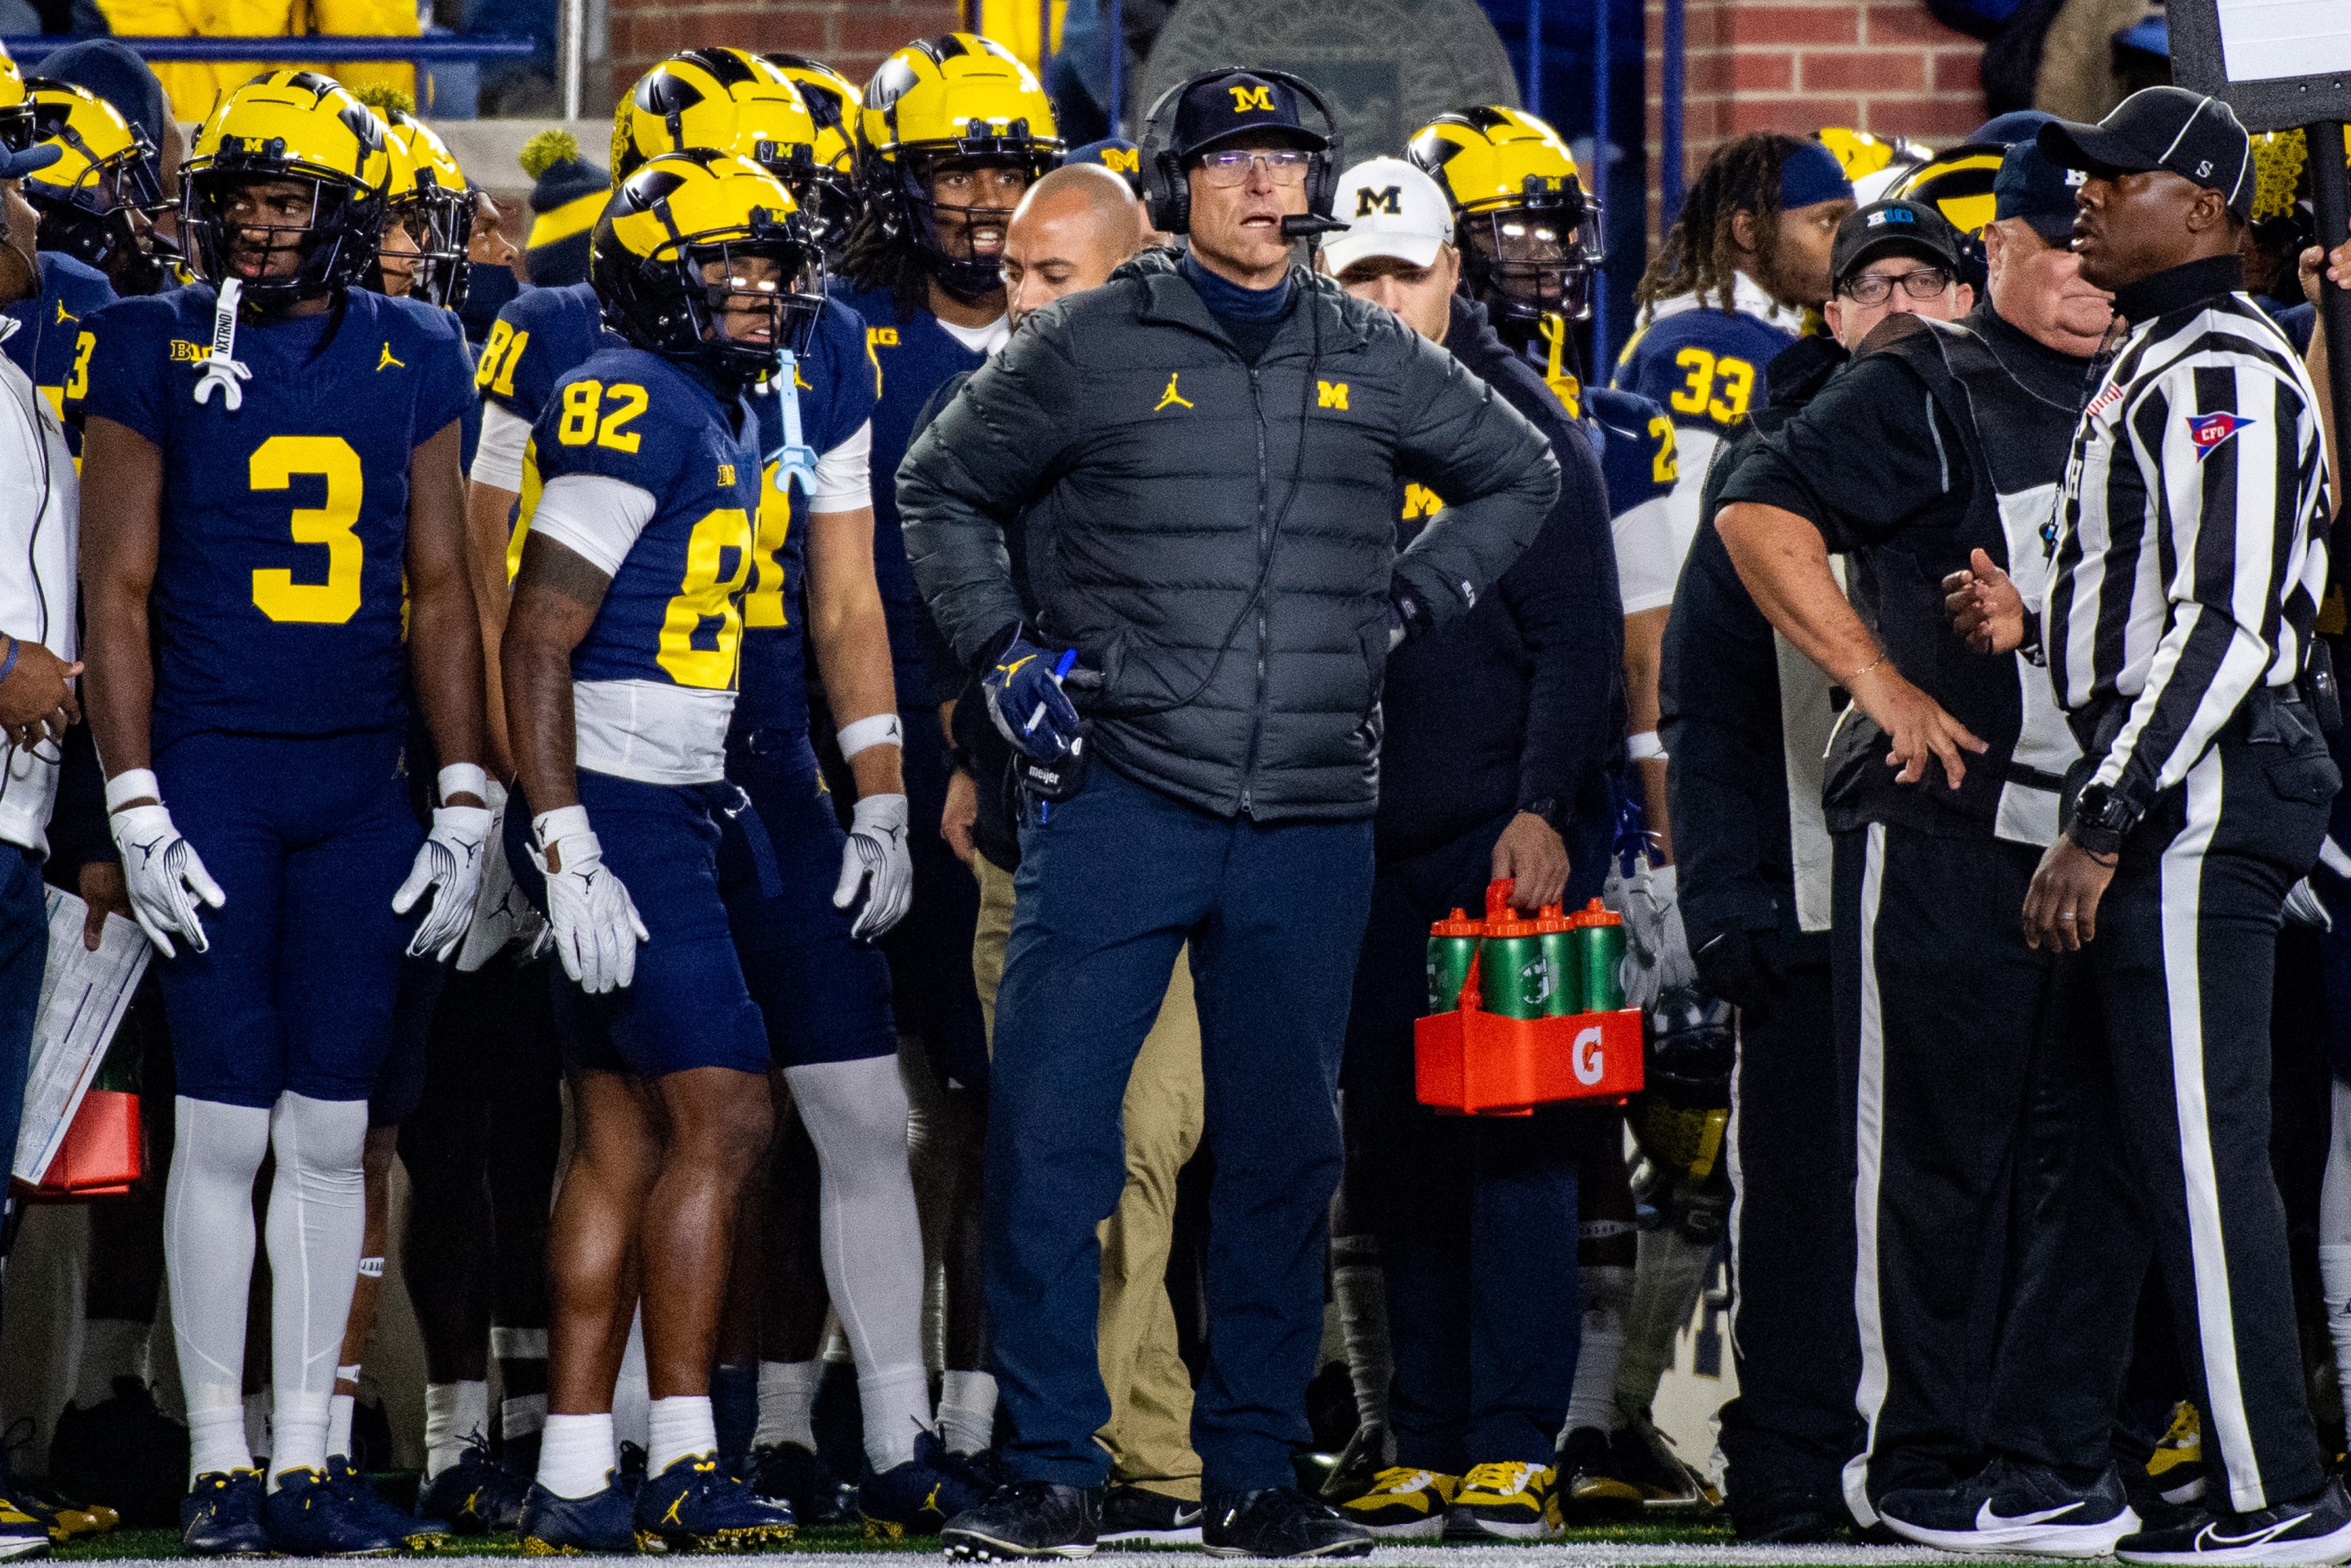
2208, 431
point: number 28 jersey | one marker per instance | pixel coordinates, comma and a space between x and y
278, 591
672, 480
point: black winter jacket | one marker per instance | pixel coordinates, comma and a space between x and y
1218, 538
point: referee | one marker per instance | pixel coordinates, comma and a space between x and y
2189, 555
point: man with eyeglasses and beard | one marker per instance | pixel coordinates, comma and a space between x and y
1936, 453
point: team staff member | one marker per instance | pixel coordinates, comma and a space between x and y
2203, 791
1963, 430
1239, 750
1498, 731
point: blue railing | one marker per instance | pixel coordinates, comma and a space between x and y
301, 49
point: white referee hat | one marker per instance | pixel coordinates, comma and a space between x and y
1391, 209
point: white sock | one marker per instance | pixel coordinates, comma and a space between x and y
454, 1412
208, 1255
1607, 1292
256, 1424
872, 1245
522, 1415
966, 1411
678, 1428
788, 1403
216, 1440
339, 1408
110, 1348
576, 1455
1669, 1273
298, 1433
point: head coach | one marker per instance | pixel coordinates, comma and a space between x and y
1204, 454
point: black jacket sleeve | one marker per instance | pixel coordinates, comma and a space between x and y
78, 831
1562, 594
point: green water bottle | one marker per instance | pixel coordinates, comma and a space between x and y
1514, 978
1556, 933
1452, 945
1599, 951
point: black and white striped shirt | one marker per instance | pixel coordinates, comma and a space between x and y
2190, 547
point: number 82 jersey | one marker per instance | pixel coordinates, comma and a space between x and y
278, 591
645, 475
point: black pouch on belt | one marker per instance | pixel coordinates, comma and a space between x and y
1051, 781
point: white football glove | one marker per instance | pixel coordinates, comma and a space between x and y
503, 918
450, 859
877, 849
164, 876
2304, 907
594, 921
1656, 952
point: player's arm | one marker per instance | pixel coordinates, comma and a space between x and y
493, 491
444, 644
1645, 661
556, 596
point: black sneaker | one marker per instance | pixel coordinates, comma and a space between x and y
125, 1451
2316, 1530
1027, 1519
474, 1496
2011, 1508
1138, 1513
1278, 1521
799, 1477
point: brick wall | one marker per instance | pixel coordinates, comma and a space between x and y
850, 36
1885, 66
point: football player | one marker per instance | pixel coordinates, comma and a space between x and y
952, 132
272, 455
833, 203
53, 291
98, 203
620, 659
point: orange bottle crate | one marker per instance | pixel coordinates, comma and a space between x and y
100, 1156
1475, 1062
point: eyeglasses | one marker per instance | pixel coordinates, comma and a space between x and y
1229, 168
1876, 287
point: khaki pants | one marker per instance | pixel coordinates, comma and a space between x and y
1149, 1435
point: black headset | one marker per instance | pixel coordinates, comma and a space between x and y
1169, 191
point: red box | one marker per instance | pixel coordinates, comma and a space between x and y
1478, 1062
101, 1154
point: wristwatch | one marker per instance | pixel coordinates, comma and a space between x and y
1548, 808
2101, 820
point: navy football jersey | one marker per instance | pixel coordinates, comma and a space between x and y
911, 357
538, 339
1638, 453
50, 343
279, 594
671, 617
835, 382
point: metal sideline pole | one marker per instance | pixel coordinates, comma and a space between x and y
575, 55
1045, 41
1601, 141
1534, 57
1669, 121
2330, 190
1117, 105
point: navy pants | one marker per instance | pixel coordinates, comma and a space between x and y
24, 954
1476, 1216
1109, 890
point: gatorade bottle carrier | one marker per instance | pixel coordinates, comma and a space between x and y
1473, 1062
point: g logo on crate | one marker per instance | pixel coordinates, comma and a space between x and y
1591, 1060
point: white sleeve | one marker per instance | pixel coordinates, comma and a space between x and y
1675, 526
844, 476
1646, 567
595, 517
498, 454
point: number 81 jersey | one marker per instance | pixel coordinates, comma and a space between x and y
279, 594
668, 517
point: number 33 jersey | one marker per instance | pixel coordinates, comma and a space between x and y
653, 480
279, 593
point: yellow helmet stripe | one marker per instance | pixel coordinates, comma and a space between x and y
575, 216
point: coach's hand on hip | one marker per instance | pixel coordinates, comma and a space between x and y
1916, 726
2060, 907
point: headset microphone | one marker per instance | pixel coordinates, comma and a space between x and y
1308, 225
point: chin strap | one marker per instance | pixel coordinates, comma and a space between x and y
221, 368
1564, 383
797, 458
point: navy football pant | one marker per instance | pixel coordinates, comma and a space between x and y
930, 950
1274, 915
309, 837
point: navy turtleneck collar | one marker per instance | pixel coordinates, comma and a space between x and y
2178, 288
1230, 301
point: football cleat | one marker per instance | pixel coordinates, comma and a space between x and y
2177, 1467
1586, 1481
1359, 1464
602, 1524
796, 1475
221, 1516
2012, 1508
309, 1516
1133, 1513
1026, 1520
2317, 1530
1514, 1501
919, 1496
1278, 1521
475, 1496
1403, 1503
414, 1534
695, 1506
23, 1533
125, 1451
1625, 1472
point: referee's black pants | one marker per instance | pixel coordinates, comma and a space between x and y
2168, 1014
1788, 1432
1940, 1004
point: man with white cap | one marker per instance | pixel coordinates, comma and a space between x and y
1498, 730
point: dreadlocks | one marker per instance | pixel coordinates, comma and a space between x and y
1699, 255
877, 256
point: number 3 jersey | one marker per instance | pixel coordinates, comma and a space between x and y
653, 480
278, 599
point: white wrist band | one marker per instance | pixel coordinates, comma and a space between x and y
463, 778
132, 784
1645, 746
864, 734
563, 822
